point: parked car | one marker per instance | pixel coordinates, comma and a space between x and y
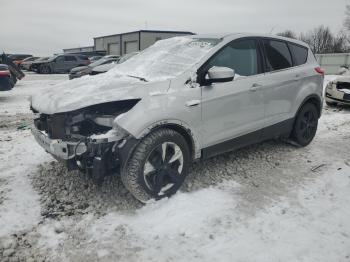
34, 65
180, 100
27, 62
94, 58
104, 68
18, 58
85, 70
338, 90
59, 64
15, 72
6, 82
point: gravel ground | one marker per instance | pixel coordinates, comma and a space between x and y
71, 203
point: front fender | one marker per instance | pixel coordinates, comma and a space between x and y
165, 108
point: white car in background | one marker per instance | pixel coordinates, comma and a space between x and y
338, 90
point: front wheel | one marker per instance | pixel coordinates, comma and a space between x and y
305, 125
158, 166
44, 69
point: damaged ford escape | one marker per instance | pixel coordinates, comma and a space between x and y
180, 100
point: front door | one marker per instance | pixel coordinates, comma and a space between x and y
236, 108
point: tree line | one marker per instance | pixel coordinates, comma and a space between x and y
321, 40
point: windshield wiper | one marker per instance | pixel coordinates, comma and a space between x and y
138, 77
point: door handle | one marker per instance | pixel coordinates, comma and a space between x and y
191, 103
255, 87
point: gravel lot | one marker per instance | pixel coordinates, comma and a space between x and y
268, 202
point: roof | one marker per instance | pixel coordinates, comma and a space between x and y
149, 31
236, 35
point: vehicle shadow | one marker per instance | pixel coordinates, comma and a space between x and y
257, 169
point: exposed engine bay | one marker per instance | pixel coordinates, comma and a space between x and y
88, 139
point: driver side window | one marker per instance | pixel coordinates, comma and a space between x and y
241, 56
59, 59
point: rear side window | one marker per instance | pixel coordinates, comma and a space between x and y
299, 54
277, 55
241, 55
70, 58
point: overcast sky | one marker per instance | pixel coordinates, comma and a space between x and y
42, 27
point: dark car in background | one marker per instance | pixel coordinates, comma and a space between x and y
18, 58
6, 82
60, 64
104, 68
33, 65
27, 62
9, 73
85, 70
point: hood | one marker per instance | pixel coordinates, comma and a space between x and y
78, 68
92, 90
343, 78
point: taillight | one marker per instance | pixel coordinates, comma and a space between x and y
319, 70
5, 73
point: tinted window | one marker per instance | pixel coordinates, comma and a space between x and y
70, 58
299, 54
242, 56
277, 55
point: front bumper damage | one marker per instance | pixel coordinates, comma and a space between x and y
338, 92
97, 156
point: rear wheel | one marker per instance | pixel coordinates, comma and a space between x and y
305, 125
158, 166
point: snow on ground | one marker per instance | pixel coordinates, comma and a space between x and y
269, 202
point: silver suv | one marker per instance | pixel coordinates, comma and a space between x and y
180, 100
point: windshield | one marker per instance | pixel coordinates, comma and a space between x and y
166, 58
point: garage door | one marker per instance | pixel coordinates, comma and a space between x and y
131, 46
113, 49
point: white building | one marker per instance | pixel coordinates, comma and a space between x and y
120, 44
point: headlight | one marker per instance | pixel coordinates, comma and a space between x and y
329, 85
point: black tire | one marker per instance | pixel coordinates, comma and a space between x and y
305, 125
144, 185
331, 104
44, 69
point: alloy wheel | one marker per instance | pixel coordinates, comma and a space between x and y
162, 171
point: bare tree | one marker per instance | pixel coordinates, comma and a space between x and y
288, 33
321, 40
347, 18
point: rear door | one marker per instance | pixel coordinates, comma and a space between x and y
236, 108
70, 62
280, 82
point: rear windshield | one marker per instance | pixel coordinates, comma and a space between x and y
299, 53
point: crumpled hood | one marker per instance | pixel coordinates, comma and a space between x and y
91, 90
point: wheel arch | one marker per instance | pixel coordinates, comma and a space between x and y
313, 99
182, 129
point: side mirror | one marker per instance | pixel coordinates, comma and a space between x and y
219, 74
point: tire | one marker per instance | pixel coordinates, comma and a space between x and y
44, 69
151, 174
305, 125
331, 104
